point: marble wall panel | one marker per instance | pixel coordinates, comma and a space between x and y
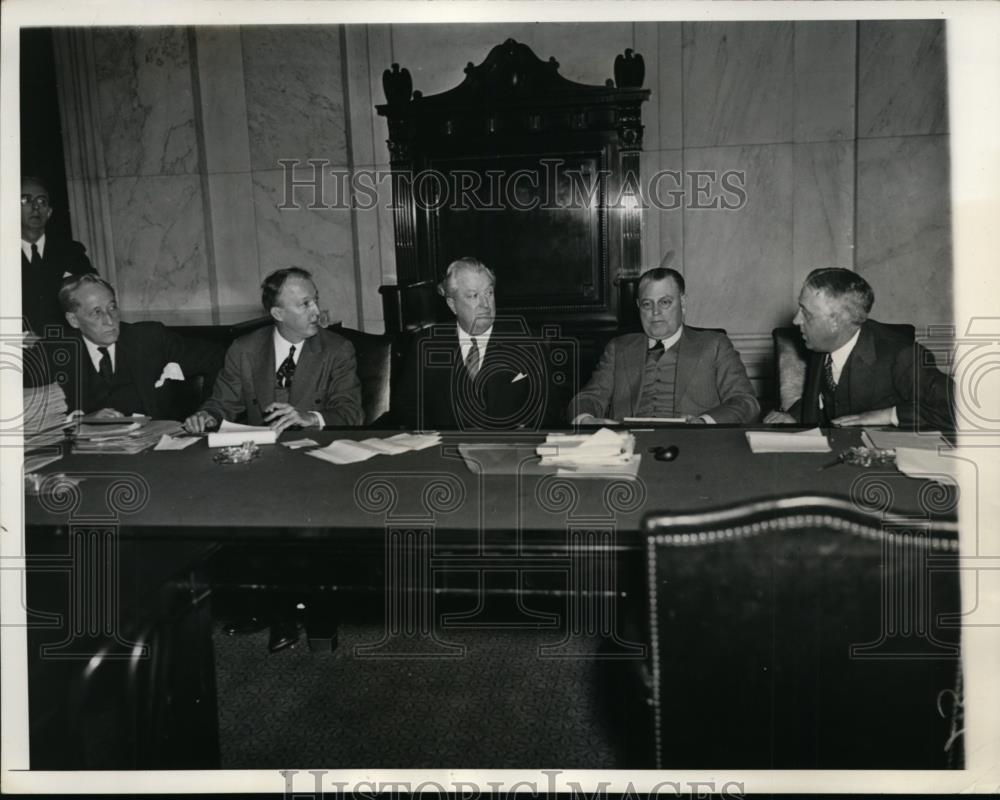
294, 94
159, 238
825, 54
234, 243
663, 218
145, 98
223, 99
319, 240
904, 228
823, 208
902, 78
667, 88
738, 262
739, 84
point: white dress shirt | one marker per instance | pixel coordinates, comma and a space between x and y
95, 356
465, 342
281, 348
838, 359
40, 244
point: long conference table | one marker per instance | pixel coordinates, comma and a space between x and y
117, 544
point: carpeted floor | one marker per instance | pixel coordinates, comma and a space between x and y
500, 705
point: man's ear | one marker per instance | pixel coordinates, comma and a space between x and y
277, 314
684, 306
451, 305
72, 320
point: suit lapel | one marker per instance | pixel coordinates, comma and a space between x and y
263, 372
859, 362
306, 370
688, 356
634, 362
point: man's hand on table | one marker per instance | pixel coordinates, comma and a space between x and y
279, 416
108, 413
880, 416
779, 418
590, 419
199, 422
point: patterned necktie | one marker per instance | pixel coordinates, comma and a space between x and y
472, 359
36, 257
287, 370
653, 353
829, 387
104, 367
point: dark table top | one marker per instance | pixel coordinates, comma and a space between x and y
286, 493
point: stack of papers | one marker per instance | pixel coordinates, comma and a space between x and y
602, 452
894, 440
125, 438
232, 434
44, 416
812, 441
348, 451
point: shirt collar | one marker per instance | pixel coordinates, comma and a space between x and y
465, 339
95, 355
40, 244
668, 342
282, 346
841, 354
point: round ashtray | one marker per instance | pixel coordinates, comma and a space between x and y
237, 455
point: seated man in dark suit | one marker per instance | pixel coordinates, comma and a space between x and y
120, 368
861, 372
45, 260
293, 373
478, 374
669, 370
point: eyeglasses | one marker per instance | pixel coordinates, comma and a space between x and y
662, 304
38, 201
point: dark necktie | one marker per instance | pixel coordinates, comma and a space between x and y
287, 370
829, 387
104, 368
36, 257
472, 359
653, 353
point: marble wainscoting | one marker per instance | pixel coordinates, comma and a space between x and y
146, 106
904, 227
160, 249
738, 262
902, 78
739, 84
319, 240
294, 94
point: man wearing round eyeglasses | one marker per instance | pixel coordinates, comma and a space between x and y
669, 371
46, 260
116, 368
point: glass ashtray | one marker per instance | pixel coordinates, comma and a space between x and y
242, 454
868, 457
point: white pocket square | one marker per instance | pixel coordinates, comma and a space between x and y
171, 372
519, 377
67, 275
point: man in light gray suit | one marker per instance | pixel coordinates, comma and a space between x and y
668, 371
293, 373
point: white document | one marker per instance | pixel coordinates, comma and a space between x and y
812, 441
635, 420
415, 441
175, 442
895, 440
232, 434
921, 463
603, 448
343, 451
298, 444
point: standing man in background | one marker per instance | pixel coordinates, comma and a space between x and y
45, 260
